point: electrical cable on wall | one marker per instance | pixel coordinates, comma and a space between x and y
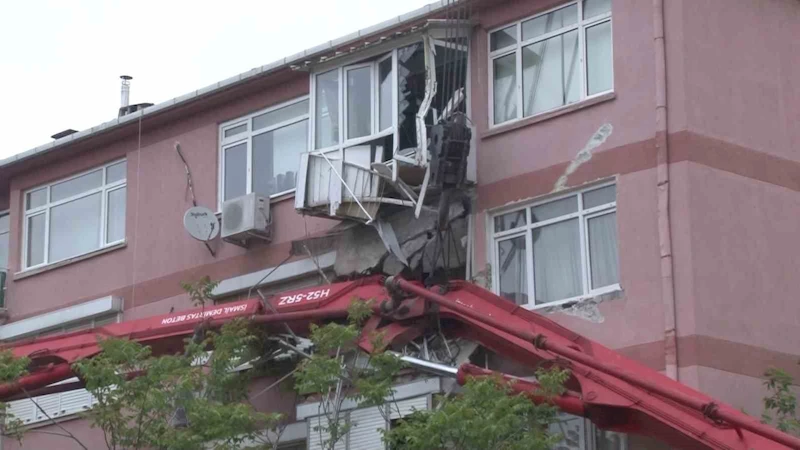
190, 186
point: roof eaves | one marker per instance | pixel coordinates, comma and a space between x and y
213, 88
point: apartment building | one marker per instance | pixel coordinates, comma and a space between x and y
633, 173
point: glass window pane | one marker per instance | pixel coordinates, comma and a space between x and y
235, 171
327, 109
593, 8
411, 76
573, 432
609, 440
598, 58
116, 172
385, 93
4, 242
551, 73
75, 227
603, 252
236, 130
504, 38
554, 209
557, 261
505, 88
35, 240
509, 221
278, 116
76, 186
115, 222
276, 158
36, 198
103, 321
512, 267
600, 196
359, 114
550, 22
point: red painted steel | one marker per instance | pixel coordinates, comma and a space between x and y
614, 392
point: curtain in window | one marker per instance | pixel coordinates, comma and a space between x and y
557, 261
550, 73
603, 251
513, 270
505, 88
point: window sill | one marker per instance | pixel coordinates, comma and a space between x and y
37, 270
610, 292
506, 127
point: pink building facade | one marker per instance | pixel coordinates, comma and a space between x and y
636, 178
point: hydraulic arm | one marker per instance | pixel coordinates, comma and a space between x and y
612, 391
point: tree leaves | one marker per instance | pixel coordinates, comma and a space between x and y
486, 416
780, 407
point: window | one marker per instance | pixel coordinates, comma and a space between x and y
559, 250
353, 105
4, 230
261, 152
579, 433
376, 100
75, 216
550, 60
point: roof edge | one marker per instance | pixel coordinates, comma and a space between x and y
221, 85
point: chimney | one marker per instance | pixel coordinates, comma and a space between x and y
125, 94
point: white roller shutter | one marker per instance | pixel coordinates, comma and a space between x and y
48, 403
364, 426
76, 401
406, 407
56, 406
21, 410
317, 437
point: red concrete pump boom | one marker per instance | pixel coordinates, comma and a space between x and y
614, 392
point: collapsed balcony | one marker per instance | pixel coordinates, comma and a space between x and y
376, 125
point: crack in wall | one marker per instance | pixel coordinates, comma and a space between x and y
598, 138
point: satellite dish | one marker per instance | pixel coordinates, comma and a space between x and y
201, 223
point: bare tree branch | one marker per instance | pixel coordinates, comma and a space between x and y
53, 421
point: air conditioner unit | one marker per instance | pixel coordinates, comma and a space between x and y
246, 218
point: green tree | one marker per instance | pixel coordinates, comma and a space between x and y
780, 406
196, 400
193, 400
337, 371
487, 415
11, 368
190, 401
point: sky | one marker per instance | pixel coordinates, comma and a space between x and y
60, 61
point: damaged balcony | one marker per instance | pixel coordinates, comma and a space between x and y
377, 122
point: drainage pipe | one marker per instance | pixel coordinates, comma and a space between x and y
662, 173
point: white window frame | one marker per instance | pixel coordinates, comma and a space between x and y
4, 264
376, 133
7, 213
105, 188
582, 25
584, 215
247, 137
